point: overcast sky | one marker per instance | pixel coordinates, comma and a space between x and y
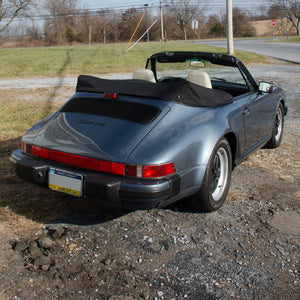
214, 6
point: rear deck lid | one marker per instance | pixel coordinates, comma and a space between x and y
106, 129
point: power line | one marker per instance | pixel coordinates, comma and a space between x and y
152, 5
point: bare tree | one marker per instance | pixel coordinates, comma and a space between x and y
216, 26
291, 9
185, 11
275, 12
241, 24
259, 12
127, 24
60, 24
11, 9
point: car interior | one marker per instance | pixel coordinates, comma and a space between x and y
198, 77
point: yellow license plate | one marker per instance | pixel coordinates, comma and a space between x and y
66, 182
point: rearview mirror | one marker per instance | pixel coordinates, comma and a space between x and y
265, 87
198, 64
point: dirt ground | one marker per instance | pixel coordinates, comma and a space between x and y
53, 246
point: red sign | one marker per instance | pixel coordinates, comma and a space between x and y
274, 22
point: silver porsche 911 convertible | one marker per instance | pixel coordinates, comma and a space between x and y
175, 130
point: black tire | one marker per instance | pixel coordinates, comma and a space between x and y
277, 133
216, 181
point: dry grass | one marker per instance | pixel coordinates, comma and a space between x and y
20, 109
265, 28
19, 202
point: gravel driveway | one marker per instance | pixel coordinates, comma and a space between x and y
34, 83
249, 249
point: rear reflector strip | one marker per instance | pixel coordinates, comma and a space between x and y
139, 171
75, 160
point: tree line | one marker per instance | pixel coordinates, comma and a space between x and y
65, 23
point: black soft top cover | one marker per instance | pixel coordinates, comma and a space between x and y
177, 90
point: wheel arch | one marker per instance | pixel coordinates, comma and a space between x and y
282, 101
232, 140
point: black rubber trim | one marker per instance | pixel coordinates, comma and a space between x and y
100, 186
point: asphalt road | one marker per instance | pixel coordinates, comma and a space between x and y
285, 51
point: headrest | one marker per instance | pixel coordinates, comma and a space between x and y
143, 74
200, 78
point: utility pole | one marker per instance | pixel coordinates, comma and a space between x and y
145, 13
229, 27
90, 35
161, 22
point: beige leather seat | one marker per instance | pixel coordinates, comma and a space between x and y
200, 78
143, 74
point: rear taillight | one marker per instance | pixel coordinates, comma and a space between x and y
111, 95
26, 148
138, 171
150, 171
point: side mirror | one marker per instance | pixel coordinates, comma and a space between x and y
265, 87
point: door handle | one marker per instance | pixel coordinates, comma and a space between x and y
246, 111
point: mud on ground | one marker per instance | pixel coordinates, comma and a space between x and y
53, 246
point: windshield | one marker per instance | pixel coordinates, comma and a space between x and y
217, 73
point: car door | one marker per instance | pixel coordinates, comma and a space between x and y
258, 112
258, 115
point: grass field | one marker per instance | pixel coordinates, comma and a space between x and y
100, 59
20, 109
293, 39
18, 113
17, 117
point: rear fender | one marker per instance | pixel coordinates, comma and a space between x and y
185, 136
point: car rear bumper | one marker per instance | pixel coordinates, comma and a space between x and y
115, 190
